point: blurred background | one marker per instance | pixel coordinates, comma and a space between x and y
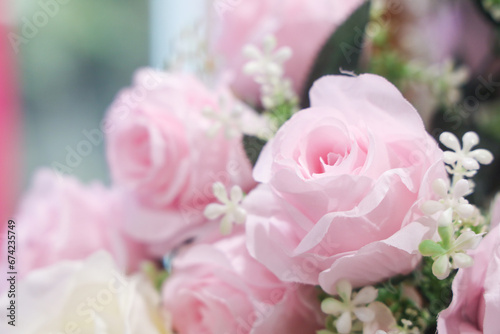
70, 68
73, 56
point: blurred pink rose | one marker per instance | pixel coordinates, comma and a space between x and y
304, 26
342, 185
451, 29
60, 219
475, 307
169, 140
220, 289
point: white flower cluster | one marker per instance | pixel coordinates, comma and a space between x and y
446, 81
361, 313
454, 214
266, 67
229, 122
234, 118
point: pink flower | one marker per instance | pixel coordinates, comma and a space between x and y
452, 29
342, 185
60, 219
304, 26
220, 289
476, 292
170, 139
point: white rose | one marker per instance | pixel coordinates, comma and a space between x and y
80, 297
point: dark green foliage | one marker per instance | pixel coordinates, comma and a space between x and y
341, 51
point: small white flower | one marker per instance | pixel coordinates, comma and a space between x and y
451, 201
347, 307
456, 253
230, 207
463, 157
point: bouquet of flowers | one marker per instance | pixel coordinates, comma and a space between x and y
287, 187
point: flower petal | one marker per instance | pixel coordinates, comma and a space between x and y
440, 187
431, 207
283, 54
251, 51
450, 140
214, 210
470, 164
240, 215
462, 260
450, 157
364, 314
220, 192
465, 210
344, 289
236, 194
252, 68
332, 306
469, 140
344, 323
467, 240
461, 188
441, 267
226, 225
367, 295
483, 156
446, 218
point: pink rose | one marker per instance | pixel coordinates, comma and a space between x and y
60, 219
220, 289
304, 26
475, 307
170, 139
495, 212
342, 185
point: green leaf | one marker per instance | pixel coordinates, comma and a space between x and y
253, 146
430, 248
341, 51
